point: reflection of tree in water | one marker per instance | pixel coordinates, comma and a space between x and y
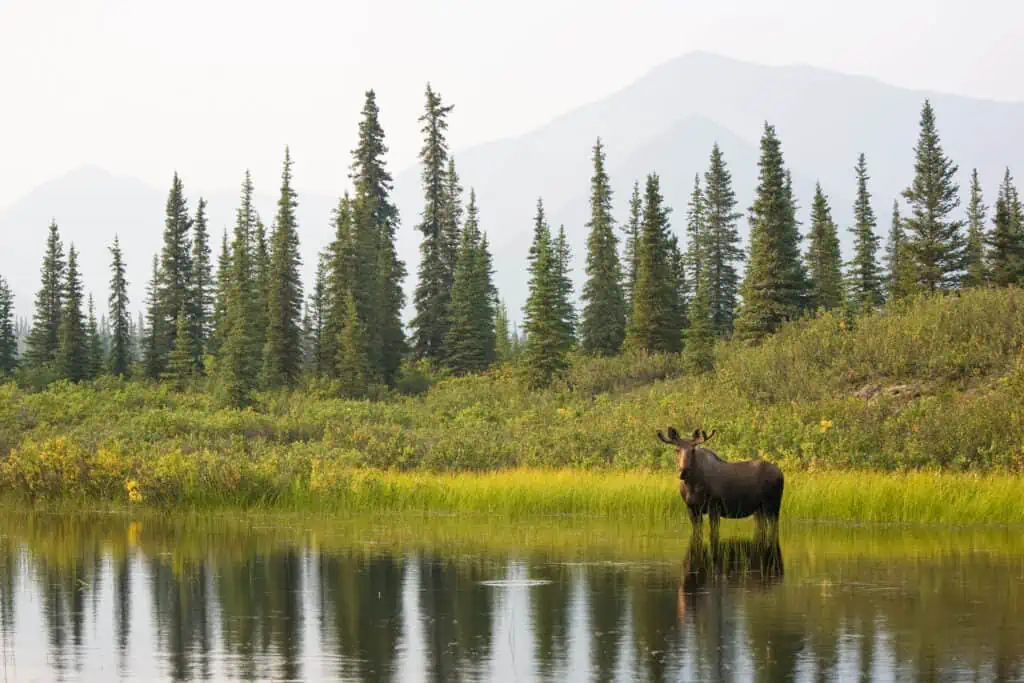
474, 611
8, 578
181, 613
456, 611
437, 593
260, 601
607, 595
122, 580
549, 609
361, 603
655, 622
64, 587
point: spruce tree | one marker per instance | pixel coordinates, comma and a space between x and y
8, 334
201, 315
682, 288
604, 311
934, 238
153, 332
698, 351
544, 355
180, 362
866, 281
975, 250
502, 333
774, 288
94, 345
174, 289
567, 311
823, 256
797, 280
470, 341
120, 320
308, 369
43, 341
430, 325
696, 238
721, 249
261, 285
377, 284
238, 365
632, 234
220, 298
319, 306
451, 228
654, 323
73, 353
901, 277
354, 372
343, 267
1005, 241
282, 352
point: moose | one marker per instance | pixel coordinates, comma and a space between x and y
734, 490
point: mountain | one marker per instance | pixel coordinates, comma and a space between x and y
91, 205
665, 122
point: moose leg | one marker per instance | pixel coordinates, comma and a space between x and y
696, 519
713, 519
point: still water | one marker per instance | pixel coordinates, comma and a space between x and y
101, 597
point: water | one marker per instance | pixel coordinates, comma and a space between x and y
98, 597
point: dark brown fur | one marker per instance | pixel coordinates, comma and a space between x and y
734, 490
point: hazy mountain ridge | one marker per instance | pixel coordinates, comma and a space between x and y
665, 122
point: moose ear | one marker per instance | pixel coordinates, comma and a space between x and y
707, 437
696, 435
673, 434
662, 437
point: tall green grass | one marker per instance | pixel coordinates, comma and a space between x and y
634, 497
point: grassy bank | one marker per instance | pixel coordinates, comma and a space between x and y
854, 414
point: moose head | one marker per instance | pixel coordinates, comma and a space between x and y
685, 447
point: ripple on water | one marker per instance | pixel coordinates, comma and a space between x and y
516, 583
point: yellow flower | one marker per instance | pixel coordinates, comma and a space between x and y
825, 425
132, 487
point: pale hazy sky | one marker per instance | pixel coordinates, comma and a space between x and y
209, 87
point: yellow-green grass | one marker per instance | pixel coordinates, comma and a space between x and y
627, 497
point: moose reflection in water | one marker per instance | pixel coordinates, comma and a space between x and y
754, 563
734, 490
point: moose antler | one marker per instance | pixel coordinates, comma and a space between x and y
672, 438
705, 437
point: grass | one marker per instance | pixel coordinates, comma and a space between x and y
642, 497
912, 414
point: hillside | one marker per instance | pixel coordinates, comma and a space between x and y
817, 395
666, 121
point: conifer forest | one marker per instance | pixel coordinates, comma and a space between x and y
229, 313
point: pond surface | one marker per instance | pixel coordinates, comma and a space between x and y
103, 597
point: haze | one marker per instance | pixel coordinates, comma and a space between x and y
209, 88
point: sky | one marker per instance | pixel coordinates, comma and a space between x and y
212, 87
